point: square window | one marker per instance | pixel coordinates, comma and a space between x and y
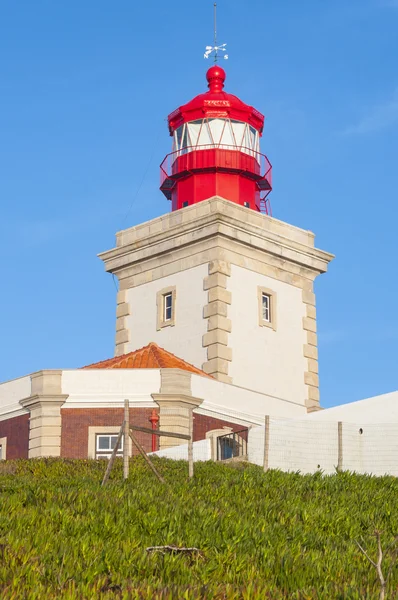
106, 443
103, 442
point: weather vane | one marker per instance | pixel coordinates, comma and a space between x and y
216, 49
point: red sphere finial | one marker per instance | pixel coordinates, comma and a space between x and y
216, 77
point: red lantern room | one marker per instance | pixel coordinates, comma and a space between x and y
216, 150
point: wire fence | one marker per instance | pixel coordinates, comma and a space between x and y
303, 445
299, 445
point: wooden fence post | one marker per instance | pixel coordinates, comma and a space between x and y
126, 439
266, 444
190, 445
143, 454
340, 446
113, 456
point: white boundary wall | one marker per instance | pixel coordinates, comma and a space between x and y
201, 451
309, 446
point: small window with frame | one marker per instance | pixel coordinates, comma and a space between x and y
266, 308
166, 307
105, 444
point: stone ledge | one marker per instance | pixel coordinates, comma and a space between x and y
310, 351
215, 280
121, 297
220, 266
225, 220
216, 336
122, 337
219, 293
120, 349
311, 311
120, 323
311, 379
219, 351
222, 378
215, 308
216, 366
309, 297
123, 309
309, 324
313, 366
218, 322
312, 338
313, 393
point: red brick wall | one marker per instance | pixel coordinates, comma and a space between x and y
16, 430
76, 421
203, 423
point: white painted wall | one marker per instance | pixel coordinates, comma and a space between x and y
11, 392
239, 404
268, 361
378, 409
309, 446
185, 338
110, 387
201, 451
296, 445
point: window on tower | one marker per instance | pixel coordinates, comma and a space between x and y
166, 307
266, 308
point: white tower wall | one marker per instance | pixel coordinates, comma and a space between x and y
217, 259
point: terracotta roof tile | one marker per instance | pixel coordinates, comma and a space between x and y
149, 357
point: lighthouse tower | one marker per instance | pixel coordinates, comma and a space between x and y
217, 281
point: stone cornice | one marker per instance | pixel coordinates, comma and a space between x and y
214, 218
176, 400
47, 399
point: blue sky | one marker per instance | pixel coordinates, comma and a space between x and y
85, 88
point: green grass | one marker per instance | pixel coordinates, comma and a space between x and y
273, 535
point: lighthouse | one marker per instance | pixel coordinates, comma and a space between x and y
216, 150
217, 280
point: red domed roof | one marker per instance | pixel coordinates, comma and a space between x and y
216, 104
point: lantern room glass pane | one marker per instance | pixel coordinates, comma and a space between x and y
239, 132
222, 133
205, 138
217, 128
228, 138
194, 129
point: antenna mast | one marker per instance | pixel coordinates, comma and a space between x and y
215, 33
216, 49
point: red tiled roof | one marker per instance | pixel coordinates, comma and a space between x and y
149, 357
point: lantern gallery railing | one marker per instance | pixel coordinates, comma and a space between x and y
223, 158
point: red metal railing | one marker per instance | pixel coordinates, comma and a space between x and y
220, 157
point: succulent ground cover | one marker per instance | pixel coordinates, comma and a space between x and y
273, 535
